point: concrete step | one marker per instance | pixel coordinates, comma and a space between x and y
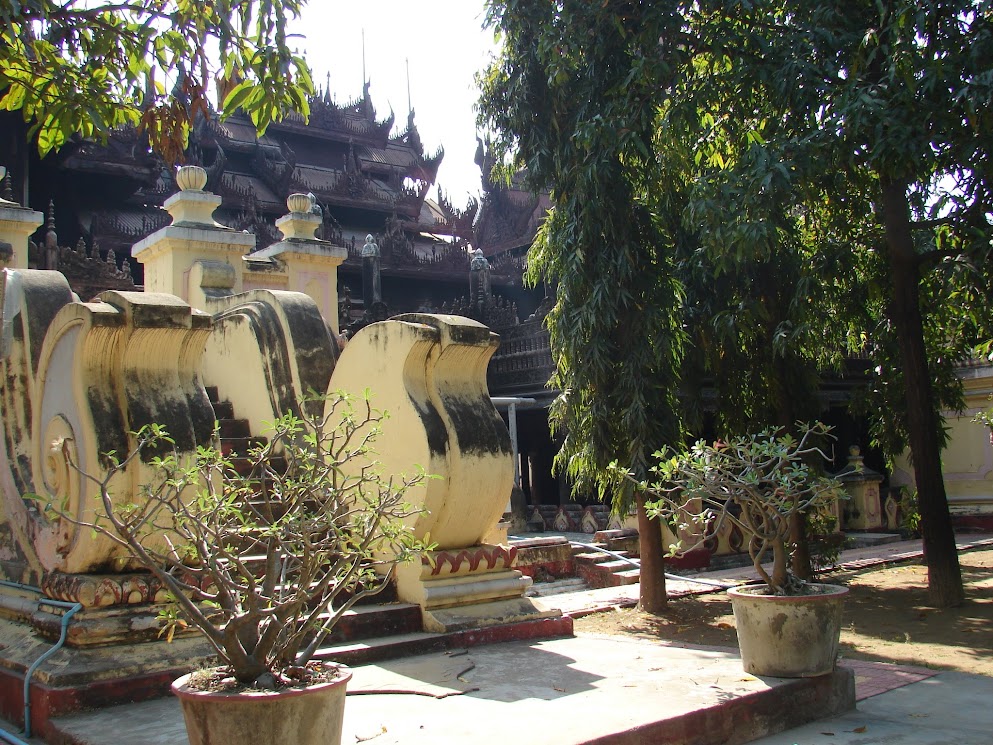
597, 577
243, 466
371, 621
228, 428
585, 556
558, 587
616, 565
403, 645
241, 445
628, 576
586, 690
866, 540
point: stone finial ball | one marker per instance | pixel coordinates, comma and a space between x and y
299, 203
191, 178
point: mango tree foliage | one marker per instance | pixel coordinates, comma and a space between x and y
876, 120
834, 161
84, 67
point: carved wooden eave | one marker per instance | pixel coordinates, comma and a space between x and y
275, 169
221, 134
90, 275
509, 219
119, 158
523, 364
429, 165
497, 312
460, 221
128, 225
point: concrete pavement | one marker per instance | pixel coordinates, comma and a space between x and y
626, 596
946, 709
608, 690
585, 689
594, 689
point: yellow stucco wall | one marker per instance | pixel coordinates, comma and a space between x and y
967, 462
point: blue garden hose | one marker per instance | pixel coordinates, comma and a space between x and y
72, 609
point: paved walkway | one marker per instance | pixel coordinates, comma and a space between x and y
601, 689
945, 709
591, 601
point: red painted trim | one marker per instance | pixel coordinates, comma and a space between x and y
48, 702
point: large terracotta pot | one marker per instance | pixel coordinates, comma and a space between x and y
302, 716
793, 636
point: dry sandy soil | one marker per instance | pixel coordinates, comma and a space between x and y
886, 618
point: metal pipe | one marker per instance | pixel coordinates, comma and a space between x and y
4, 734
502, 402
73, 608
12, 739
19, 585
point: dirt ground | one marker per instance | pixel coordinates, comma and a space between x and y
886, 618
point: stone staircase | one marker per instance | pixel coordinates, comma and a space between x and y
599, 569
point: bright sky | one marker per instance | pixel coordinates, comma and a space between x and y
445, 45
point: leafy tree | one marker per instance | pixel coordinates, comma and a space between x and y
876, 116
855, 137
581, 113
77, 67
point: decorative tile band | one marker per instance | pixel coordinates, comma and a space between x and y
103, 590
468, 560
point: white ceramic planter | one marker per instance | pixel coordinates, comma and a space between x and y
302, 716
788, 636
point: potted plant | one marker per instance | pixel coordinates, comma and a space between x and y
263, 553
786, 627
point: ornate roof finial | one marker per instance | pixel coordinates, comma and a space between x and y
51, 237
478, 260
81, 246
8, 193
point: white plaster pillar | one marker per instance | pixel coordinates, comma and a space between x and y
169, 255
17, 223
309, 264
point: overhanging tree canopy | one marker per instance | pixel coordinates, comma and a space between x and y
863, 129
76, 67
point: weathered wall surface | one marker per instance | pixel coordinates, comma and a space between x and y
967, 462
80, 379
428, 372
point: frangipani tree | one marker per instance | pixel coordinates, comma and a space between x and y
756, 482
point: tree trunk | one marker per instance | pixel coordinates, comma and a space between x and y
652, 596
800, 562
941, 555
